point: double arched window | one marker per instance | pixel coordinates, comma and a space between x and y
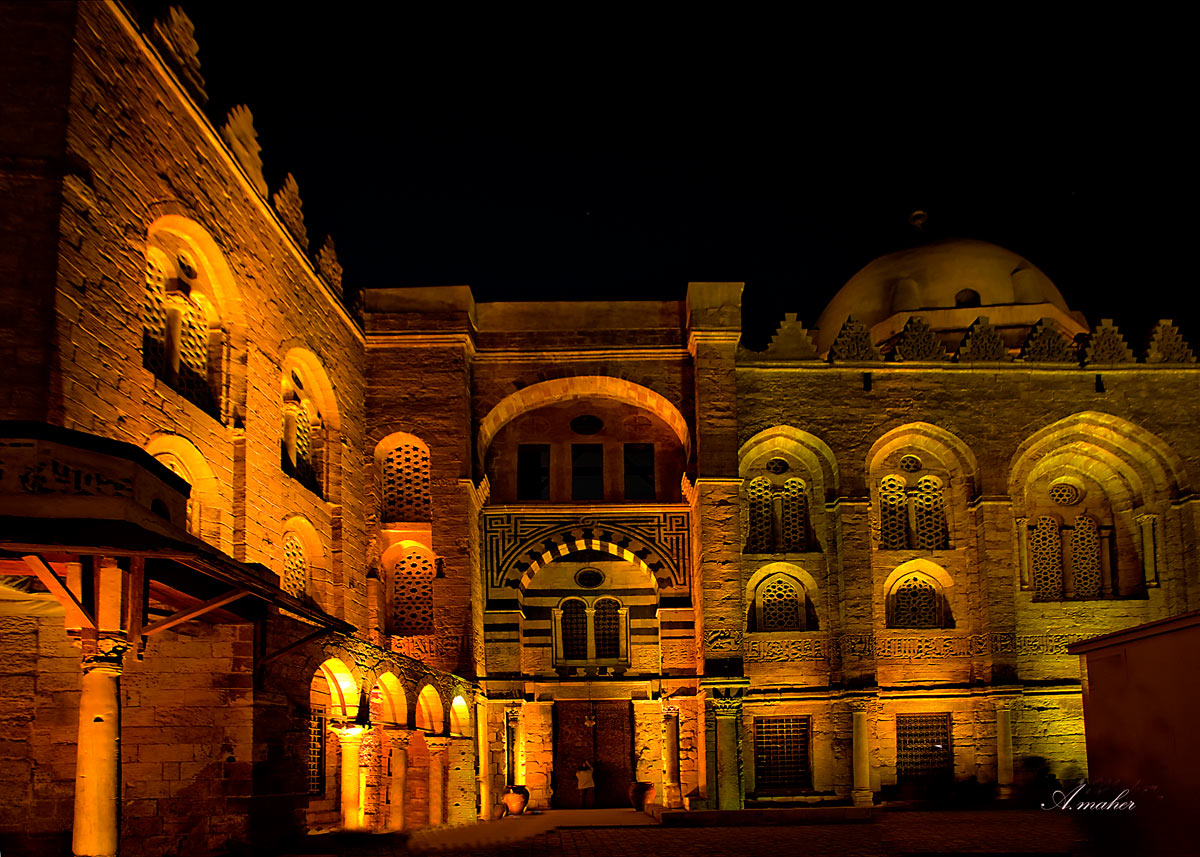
779, 515
912, 516
591, 633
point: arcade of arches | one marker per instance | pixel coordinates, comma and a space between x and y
271, 565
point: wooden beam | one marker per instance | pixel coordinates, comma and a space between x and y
135, 599
66, 597
192, 612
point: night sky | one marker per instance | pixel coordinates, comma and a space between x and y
546, 154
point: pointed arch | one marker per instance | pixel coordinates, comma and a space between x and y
561, 390
402, 463
342, 688
460, 716
808, 451
388, 701
430, 713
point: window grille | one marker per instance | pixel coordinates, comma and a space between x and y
295, 567
1085, 558
761, 537
781, 750
930, 515
1045, 544
608, 631
923, 750
412, 595
795, 516
915, 604
893, 508
406, 495
316, 755
779, 606
574, 631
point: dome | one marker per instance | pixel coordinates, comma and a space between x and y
949, 284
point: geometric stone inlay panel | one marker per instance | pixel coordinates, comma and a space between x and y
516, 544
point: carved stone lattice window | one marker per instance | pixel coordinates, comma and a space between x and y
779, 605
608, 629
794, 519
930, 505
893, 514
1045, 546
916, 603
1085, 558
406, 495
762, 524
302, 445
574, 631
295, 567
412, 595
176, 336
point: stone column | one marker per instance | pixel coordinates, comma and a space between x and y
1004, 750
861, 791
728, 711
673, 796
96, 827
398, 787
437, 745
350, 740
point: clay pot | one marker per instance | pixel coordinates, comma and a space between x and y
641, 795
515, 799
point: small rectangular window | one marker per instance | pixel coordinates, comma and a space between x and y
587, 471
781, 754
639, 471
533, 471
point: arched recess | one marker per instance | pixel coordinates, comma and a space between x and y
1090, 494
430, 713
298, 531
460, 717
806, 449
388, 702
342, 689
402, 468
788, 477
915, 596
562, 390
206, 506
929, 471
409, 570
767, 592
186, 270
310, 433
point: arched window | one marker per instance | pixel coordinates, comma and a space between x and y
1085, 558
405, 472
912, 518
302, 446
779, 604
778, 514
182, 341
608, 629
1067, 558
916, 601
574, 631
411, 594
295, 567
1045, 542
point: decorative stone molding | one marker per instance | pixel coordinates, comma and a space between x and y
918, 342
982, 343
1168, 346
1046, 345
774, 650
238, 132
175, 36
853, 343
286, 203
1107, 345
723, 640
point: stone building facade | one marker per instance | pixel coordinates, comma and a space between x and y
368, 567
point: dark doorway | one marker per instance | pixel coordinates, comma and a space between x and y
608, 745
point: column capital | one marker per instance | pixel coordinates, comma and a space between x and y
726, 706
857, 705
105, 654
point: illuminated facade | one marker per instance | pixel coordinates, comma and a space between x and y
331, 571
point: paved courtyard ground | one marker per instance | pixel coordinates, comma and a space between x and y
915, 833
